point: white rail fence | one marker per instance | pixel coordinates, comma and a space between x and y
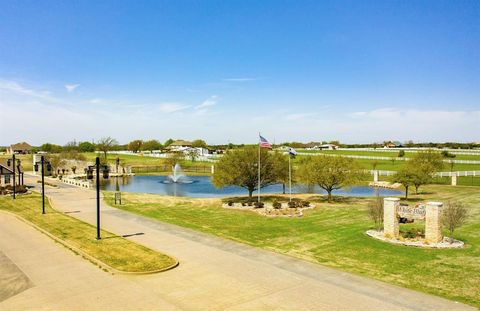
382, 158
475, 152
439, 174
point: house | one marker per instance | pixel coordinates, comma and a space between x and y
20, 148
392, 144
325, 147
6, 175
180, 145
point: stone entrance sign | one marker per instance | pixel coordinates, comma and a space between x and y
431, 212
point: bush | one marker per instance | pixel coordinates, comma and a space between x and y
230, 203
277, 205
454, 215
292, 204
306, 204
375, 212
259, 204
244, 204
412, 233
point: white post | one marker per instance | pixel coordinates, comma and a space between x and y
290, 176
454, 178
258, 190
375, 175
213, 169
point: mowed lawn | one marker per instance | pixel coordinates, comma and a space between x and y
115, 251
334, 235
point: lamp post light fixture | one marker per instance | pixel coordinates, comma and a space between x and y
89, 171
43, 163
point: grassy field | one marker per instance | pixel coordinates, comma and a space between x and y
393, 153
388, 165
334, 235
115, 251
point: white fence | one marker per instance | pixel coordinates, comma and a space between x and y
439, 174
475, 152
76, 182
381, 158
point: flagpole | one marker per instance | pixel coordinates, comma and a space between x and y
258, 191
290, 176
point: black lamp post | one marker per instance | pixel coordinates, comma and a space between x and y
105, 170
49, 168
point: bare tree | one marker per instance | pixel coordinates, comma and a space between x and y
106, 144
375, 212
454, 216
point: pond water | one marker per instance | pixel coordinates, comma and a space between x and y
202, 187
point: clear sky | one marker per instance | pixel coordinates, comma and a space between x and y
354, 71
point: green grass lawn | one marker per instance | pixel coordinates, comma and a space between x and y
393, 153
334, 235
113, 250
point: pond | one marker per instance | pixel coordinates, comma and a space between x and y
202, 187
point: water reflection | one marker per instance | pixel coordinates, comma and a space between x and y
202, 187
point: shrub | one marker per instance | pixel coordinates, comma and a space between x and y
244, 204
305, 204
454, 215
230, 203
259, 204
375, 212
249, 203
292, 204
277, 205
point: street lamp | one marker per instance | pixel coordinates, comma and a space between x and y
49, 168
89, 171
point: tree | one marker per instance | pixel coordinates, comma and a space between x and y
239, 167
423, 167
192, 154
329, 173
405, 177
375, 212
86, 146
51, 148
71, 145
174, 158
56, 161
401, 153
106, 144
454, 216
430, 161
198, 143
151, 145
135, 145
168, 142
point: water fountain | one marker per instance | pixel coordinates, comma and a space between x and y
178, 176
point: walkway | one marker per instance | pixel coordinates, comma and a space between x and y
214, 274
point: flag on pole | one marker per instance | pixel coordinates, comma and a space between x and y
264, 143
292, 152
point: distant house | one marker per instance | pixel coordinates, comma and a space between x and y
20, 148
324, 147
392, 144
180, 145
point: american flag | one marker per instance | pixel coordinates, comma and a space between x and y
264, 143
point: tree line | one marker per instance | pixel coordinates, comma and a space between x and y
239, 167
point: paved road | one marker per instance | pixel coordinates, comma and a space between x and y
214, 274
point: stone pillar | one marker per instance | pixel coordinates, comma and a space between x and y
2, 180
35, 160
454, 179
213, 169
390, 217
375, 176
433, 222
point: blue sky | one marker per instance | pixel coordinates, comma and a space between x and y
354, 71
